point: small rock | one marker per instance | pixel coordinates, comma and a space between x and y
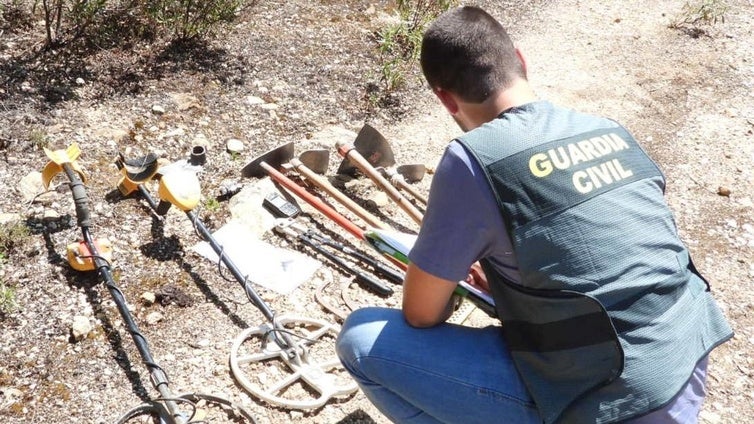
723, 191
80, 327
154, 317
157, 109
50, 215
379, 198
186, 101
254, 100
80, 81
30, 186
176, 132
148, 298
10, 218
234, 145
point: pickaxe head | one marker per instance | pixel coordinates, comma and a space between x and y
373, 147
276, 158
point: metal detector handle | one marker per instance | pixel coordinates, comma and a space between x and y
349, 152
313, 200
338, 195
80, 199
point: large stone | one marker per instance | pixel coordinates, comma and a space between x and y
31, 186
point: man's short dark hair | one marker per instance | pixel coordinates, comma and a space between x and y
468, 52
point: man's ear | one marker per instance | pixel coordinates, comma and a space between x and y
523, 62
447, 99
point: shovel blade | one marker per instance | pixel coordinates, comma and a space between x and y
275, 158
316, 160
373, 147
412, 173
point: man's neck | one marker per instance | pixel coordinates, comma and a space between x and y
477, 114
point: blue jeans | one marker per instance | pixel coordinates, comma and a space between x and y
444, 374
456, 374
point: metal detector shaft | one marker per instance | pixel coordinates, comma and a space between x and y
157, 374
207, 235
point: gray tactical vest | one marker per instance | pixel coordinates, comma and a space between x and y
610, 317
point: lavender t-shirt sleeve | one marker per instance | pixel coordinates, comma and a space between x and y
462, 222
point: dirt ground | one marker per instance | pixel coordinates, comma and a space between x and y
308, 72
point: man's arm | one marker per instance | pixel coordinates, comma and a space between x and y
427, 300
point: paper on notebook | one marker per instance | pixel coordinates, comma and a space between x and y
277, 269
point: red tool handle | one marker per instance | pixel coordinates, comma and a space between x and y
316, 202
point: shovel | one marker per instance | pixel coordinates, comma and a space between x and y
376, 150
310, 164
351, 154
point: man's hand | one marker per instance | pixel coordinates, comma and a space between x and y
477, 278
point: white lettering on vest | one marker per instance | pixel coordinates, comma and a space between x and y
542, 164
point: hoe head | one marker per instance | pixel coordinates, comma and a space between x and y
276, 158
412, 173
316, 160
373, 147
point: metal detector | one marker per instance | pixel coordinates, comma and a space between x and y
170, 408
295, 342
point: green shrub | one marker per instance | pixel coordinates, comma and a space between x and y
181, 19
701, 12
400, 44
8, 303
11, 237
188, 19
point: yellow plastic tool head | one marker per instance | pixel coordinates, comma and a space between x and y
181, 189
57, 159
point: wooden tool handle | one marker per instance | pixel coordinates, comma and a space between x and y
350, 153
338, 195
412, 190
